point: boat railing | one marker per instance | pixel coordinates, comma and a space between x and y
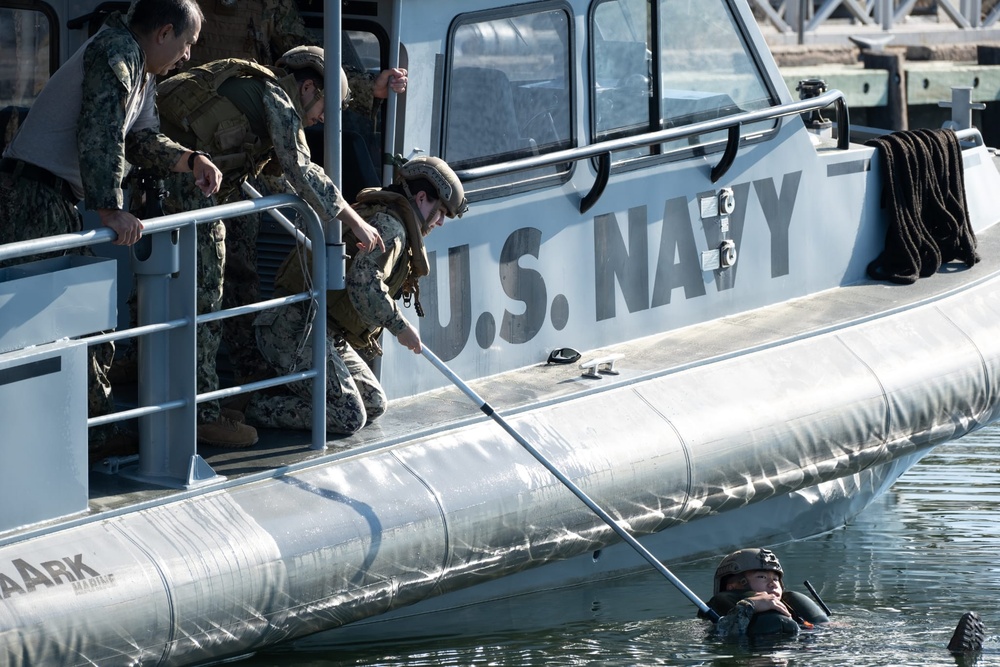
164, 264
732, 124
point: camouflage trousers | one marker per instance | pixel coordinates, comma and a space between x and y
30, 210
242, 283
185, 196
354, 396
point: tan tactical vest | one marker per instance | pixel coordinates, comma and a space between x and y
193, 113
401, 282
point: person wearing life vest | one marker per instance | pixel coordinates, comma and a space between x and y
424, 192
245, 115
749, 596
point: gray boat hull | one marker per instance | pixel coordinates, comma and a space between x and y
817, 426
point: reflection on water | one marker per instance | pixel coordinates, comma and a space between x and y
897, 579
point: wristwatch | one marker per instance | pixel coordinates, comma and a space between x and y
192, 156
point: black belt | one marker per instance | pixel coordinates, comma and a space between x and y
33, 172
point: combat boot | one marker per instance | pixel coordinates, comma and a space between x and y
228, 433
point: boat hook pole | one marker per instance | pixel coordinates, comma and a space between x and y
622, 533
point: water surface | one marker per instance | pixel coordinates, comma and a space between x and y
897, 580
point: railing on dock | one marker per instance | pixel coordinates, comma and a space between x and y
164, 267
804, 17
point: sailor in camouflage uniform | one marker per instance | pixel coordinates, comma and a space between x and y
245, 114
95, 115
261, 31
425, 190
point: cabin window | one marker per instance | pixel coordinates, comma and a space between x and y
25, 54
621, 63
27, 57
670, 63
364, 48
708, 71
508, 92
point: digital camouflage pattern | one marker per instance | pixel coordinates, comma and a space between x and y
243, 285
367, 304
283, 115
31, 210
366, 301
363, 100
353, 399
113, 80
114, 72
364, 284
737, 621
193, 112
261, 31
185, 196
353, 395
53, 214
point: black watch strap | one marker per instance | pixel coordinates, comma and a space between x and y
192, 156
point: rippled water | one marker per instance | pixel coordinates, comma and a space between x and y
897, 579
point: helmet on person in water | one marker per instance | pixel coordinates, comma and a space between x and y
745, 560
436, 171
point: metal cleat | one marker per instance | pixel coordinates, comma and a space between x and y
594, 368
961, 106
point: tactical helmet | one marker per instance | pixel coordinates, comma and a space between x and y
450, 191
301, 57
745, 560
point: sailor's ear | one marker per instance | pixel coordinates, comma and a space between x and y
164, 32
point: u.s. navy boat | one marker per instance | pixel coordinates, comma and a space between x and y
644, 189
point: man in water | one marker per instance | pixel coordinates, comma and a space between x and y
750, 598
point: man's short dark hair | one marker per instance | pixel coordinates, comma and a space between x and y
416, 186
309, 74
149, 15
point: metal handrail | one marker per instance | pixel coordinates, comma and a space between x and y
604, 149
188, 475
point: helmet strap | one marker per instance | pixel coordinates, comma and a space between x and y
413, 203
318, 97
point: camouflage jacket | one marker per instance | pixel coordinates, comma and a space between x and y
194, 98
114, 72
96, 115
374, 281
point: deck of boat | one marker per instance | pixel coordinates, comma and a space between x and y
279, 452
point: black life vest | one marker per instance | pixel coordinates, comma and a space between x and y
771, 622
